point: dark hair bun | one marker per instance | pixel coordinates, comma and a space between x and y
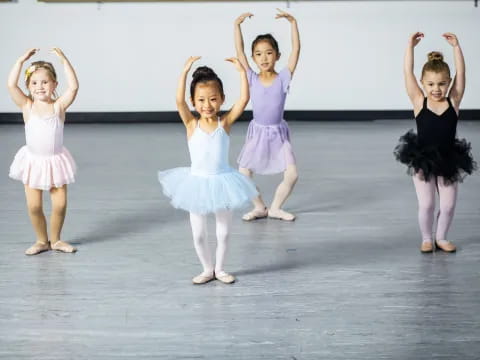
435, 56
204, 72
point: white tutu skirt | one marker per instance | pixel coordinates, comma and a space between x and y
43, 172
206, 194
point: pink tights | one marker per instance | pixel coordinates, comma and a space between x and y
426, 206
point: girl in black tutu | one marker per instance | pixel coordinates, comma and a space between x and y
434, 156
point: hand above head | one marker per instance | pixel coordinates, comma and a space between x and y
283, 14
415, 38
58, 52
242, 18
451, 38
236, 62
28, 54
189, 63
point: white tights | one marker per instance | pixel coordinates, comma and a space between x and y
199, 231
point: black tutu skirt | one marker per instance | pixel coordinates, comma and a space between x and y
452, 164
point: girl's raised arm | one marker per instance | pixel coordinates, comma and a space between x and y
67, 98
18, 96
239, 46
295, 54
239, 106
458, 86
413, 90
182, 107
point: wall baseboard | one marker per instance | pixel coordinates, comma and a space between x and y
291, 115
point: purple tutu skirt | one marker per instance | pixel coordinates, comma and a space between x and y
267, 148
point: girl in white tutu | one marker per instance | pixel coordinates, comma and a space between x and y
210, 185
44, 163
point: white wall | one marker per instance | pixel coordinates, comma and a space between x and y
128, 55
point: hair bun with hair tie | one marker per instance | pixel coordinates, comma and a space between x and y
204, 74
435, 56
203, 71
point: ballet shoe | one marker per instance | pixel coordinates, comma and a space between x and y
62, 246
224, 277
426, 247
445, 246
255, 214
280, 215
203, 278
37, 248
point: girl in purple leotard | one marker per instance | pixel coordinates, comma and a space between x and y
267, 148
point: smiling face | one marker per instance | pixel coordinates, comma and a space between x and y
265, 56
207, 99
41, 85
435, 85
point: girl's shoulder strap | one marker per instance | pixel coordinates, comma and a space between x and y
59, 111
27, 111
424, 103
422, 109
449, 102
30, 106
451, 105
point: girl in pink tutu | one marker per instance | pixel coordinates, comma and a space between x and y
267, 148
44, 163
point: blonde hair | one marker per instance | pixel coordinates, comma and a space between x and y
36, 65
435, 64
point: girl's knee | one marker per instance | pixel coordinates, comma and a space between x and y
35, 209
291, 178
246, 172
447, 209
426, 207
295, 178
222, 235
198, 238
59, 209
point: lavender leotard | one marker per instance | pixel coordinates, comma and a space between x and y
267, 148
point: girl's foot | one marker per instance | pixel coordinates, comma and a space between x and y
224, 277
255, 214
203, 278
426, 247
62, 246
37, 248
280, 215
445, 245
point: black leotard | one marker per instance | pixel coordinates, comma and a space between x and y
436, 151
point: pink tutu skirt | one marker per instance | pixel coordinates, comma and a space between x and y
43, 172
